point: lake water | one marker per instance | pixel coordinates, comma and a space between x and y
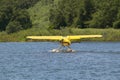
33, 61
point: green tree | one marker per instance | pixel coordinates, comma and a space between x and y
71, 13
116, 24
105, 13
13, 10
57, 19
25, 4
22, 17
5, 14
13, 26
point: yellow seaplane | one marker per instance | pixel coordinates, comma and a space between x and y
65, 41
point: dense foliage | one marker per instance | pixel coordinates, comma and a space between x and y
85, 14
13, 15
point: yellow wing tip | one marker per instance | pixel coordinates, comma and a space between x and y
99, 35
29, 37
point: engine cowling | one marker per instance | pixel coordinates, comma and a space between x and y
65, 41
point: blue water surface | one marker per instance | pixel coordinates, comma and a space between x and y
33, 61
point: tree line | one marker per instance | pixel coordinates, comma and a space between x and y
85, 14
65, 13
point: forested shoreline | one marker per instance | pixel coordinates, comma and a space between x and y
19, 19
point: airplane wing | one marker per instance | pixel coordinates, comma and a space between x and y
55, 38
83, 36
58, 38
